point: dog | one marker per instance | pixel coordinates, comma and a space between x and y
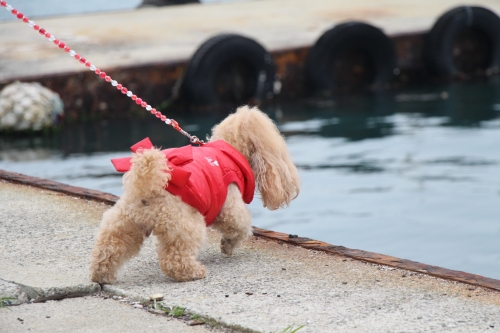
154, 202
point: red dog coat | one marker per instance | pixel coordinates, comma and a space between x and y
201, 175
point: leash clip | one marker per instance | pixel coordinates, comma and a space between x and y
194, 140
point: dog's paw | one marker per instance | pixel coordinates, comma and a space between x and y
190, 274
101, 277
199, 273
226, 246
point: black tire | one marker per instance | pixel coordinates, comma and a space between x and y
483, 28
159, 3
376, 48
229, 68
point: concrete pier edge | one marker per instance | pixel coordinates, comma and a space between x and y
376, 258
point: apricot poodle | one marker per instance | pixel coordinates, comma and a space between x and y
176, 193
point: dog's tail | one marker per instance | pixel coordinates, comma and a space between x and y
148, 175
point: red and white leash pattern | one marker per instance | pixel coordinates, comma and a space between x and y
100, 73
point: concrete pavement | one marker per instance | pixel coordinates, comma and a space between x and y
89, 314
45, 242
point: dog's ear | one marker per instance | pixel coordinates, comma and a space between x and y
276, 176
255, 135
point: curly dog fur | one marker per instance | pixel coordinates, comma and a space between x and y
146, 207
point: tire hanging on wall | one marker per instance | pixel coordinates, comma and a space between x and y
463, 40
229, 68
351, 55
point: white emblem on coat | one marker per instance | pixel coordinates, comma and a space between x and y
212, 162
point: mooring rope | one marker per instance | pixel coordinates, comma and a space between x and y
139, 101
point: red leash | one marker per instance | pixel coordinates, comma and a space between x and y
101, 74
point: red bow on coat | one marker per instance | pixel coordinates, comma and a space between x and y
181, 157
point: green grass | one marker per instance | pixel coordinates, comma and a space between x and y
5, 301
177, 311
290, 329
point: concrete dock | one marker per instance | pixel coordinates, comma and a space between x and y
171, 34
147, 50
45, 243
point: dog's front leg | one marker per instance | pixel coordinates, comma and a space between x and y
234, 221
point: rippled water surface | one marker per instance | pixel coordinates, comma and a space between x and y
414, 174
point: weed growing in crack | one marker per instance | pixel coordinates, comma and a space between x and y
5, 301
290, 329
177, 311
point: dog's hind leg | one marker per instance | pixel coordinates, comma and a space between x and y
234, 221
178, 242
117, 241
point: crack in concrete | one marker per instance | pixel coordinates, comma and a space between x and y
212, 322
13, 293
17, 293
